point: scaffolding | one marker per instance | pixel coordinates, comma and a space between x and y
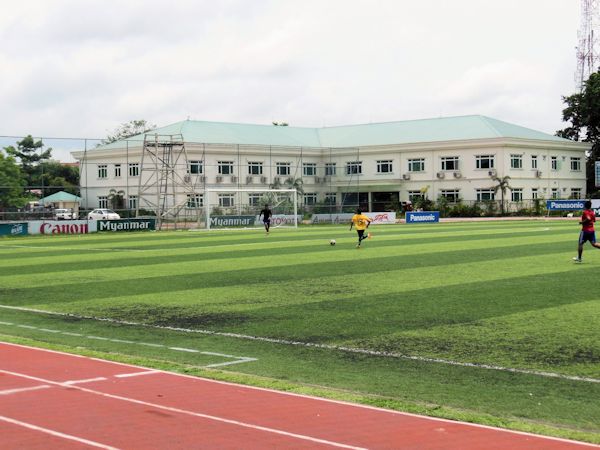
162, 188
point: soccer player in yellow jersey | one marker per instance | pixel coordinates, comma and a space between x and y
361, 222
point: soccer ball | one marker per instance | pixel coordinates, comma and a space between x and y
332, 242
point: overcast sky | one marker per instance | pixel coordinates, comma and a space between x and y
80, 68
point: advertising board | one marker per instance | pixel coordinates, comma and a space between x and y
422, 217
13, 229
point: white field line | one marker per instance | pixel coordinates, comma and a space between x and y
189, 413
313, 345
137, 374
96, 249
57, 434
235, 359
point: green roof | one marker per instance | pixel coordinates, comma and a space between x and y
61, 196
388, 133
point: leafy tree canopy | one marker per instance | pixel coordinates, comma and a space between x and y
29, 153
12, 183
126, 130
583, 114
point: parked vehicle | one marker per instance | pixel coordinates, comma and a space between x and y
103, 214
64, 214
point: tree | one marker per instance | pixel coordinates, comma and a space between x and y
502, 186
583, 113
12, 183
127, 130
30, 156
280, 124
116, 199
59, 177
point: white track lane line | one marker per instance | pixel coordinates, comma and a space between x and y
137, 374
27, 389
190, 413
57, 433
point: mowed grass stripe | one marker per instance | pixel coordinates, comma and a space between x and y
251, 270
281, 250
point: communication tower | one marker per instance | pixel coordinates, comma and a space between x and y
588, 54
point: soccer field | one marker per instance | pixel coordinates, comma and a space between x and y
484, 321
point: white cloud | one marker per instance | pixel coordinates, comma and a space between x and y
81, 68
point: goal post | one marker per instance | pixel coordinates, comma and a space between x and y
239, 207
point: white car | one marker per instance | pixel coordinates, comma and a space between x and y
103, 214
64, 214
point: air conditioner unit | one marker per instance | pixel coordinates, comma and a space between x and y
234, 179
538, 173
277, 180
249, 180
492, 173
318, 180
187, 179
201, 178
440, 175
457, 175
219, 179
263, 179
406, 176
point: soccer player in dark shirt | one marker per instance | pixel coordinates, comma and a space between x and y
587, 230
266, 213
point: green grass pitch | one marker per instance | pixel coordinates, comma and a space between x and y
483, 321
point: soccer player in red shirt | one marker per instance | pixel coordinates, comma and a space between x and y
587, 230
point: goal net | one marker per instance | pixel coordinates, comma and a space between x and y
240, 207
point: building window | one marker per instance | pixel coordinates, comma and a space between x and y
195, 167
133, 201
516, 161
117, 170
310, 199
484, 161
134, 169
534, 193
330, 198
554, 162
451, 195
516, 195
384, 166
329, 169
555, 194
575, 164
283, 168
534, 161
255, 168
225, 167
414, 195
102, 171
309, 169
449, 162
226, 200
102, 201
195, 201
354, 168
576, 193
416, 165
484, 195
254, 199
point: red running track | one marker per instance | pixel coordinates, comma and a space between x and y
61, 401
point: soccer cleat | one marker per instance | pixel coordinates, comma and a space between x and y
358, 246
369, 235
577, 260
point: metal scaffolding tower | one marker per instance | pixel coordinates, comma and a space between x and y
588, 53
162, 177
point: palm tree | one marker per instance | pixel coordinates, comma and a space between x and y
116, 199
502, 186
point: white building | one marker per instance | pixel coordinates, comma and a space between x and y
370, 164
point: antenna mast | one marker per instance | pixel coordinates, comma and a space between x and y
588, 56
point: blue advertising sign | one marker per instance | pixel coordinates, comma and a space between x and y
423, 217
597, 173
564, 205
13, 229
